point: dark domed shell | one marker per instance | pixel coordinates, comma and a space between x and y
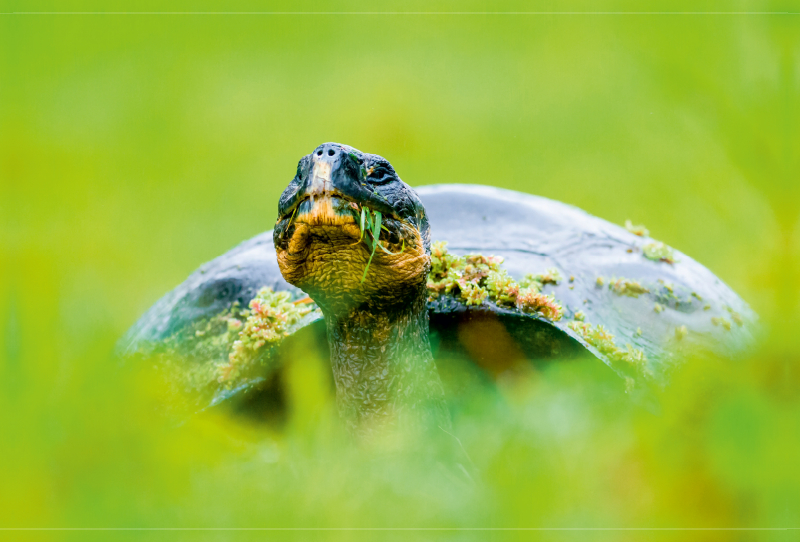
652, 302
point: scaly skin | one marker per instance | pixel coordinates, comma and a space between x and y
384, 371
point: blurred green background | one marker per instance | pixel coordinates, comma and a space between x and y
133, 148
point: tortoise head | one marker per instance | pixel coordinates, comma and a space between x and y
324, 239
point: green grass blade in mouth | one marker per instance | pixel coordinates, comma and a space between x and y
361, 226
373, 221
367, 267
375, 226
368, 225
387, 251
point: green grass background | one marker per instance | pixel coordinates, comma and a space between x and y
133, 148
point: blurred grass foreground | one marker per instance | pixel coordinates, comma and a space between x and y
135, 147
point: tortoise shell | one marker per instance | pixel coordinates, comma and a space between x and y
630, 301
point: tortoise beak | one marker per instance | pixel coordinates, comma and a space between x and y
336, 172
321, 183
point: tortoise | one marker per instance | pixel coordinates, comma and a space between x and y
512, 279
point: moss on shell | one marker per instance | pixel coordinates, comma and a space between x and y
601, 339
192, 354
637, 229
232, 347
475, 278
465, 276
600, 281
550, 276
473, 294
627, 287
502, 288
267, 321
720, 321
735, 316
530, 300
659, 252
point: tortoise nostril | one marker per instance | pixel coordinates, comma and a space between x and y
319, 153
331, 152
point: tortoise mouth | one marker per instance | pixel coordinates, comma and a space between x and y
326, 247
325, 210
329, 208
339, 221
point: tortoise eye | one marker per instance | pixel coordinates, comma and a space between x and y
379, 174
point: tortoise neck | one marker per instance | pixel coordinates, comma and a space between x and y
384, 371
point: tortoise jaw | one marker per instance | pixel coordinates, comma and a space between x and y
324, 251
329, 205
326, 210
336, 224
